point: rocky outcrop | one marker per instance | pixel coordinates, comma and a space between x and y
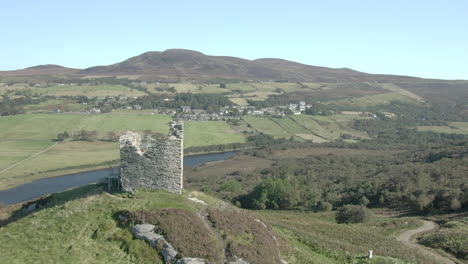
160, 166
166, 250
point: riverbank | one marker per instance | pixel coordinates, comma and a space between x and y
40, 187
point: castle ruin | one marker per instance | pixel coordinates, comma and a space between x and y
159, 165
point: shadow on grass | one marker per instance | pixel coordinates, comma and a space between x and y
21, 210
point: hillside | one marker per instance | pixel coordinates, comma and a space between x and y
88, 225
187, 66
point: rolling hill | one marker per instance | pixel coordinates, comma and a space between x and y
183, 66
178, 65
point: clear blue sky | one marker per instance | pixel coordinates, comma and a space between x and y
412, 37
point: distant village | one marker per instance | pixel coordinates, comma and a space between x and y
232, 112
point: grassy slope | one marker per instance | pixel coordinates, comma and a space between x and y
317, 128
317, 237
452, 236
78, 226
23, 135
267, 126
89, 90
377, 99
204, 133
454, 128
329, 127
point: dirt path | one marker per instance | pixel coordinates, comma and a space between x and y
408, 236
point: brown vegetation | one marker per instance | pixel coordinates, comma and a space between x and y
246, 237
185, 230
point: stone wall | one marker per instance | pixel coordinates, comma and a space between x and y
160, 166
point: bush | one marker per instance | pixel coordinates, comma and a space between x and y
350, 214
273, 193
324, 206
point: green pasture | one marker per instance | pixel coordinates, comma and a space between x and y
88, 90
64, 105
123, 121
315, 128
22, 136
205, 133
330, 127
267, 126
452, 128
64, 158
378, 99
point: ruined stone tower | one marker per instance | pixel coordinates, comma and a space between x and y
159, 166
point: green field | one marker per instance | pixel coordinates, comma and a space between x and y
453, 128
124, 121
267, 126
315, 128
378, 99
88, 90
186, 88
24, 137
64, 105
205, 133
330, 127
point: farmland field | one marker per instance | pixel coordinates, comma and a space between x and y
329, 127
22, 136
378, 99
267, 126
204, 133
315, 128
124, 121
453, 128
64, 158
64, 105
89, 90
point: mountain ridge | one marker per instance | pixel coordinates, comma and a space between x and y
187, 65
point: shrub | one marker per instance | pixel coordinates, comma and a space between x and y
270, 194
349, 214
324, 206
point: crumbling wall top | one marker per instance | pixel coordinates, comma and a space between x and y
176, 129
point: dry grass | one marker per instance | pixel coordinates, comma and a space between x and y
246, 237
185, 230
343, 243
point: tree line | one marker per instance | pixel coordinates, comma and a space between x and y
426, 180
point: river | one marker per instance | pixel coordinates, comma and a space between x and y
41, 187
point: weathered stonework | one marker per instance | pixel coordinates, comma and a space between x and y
160, 166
